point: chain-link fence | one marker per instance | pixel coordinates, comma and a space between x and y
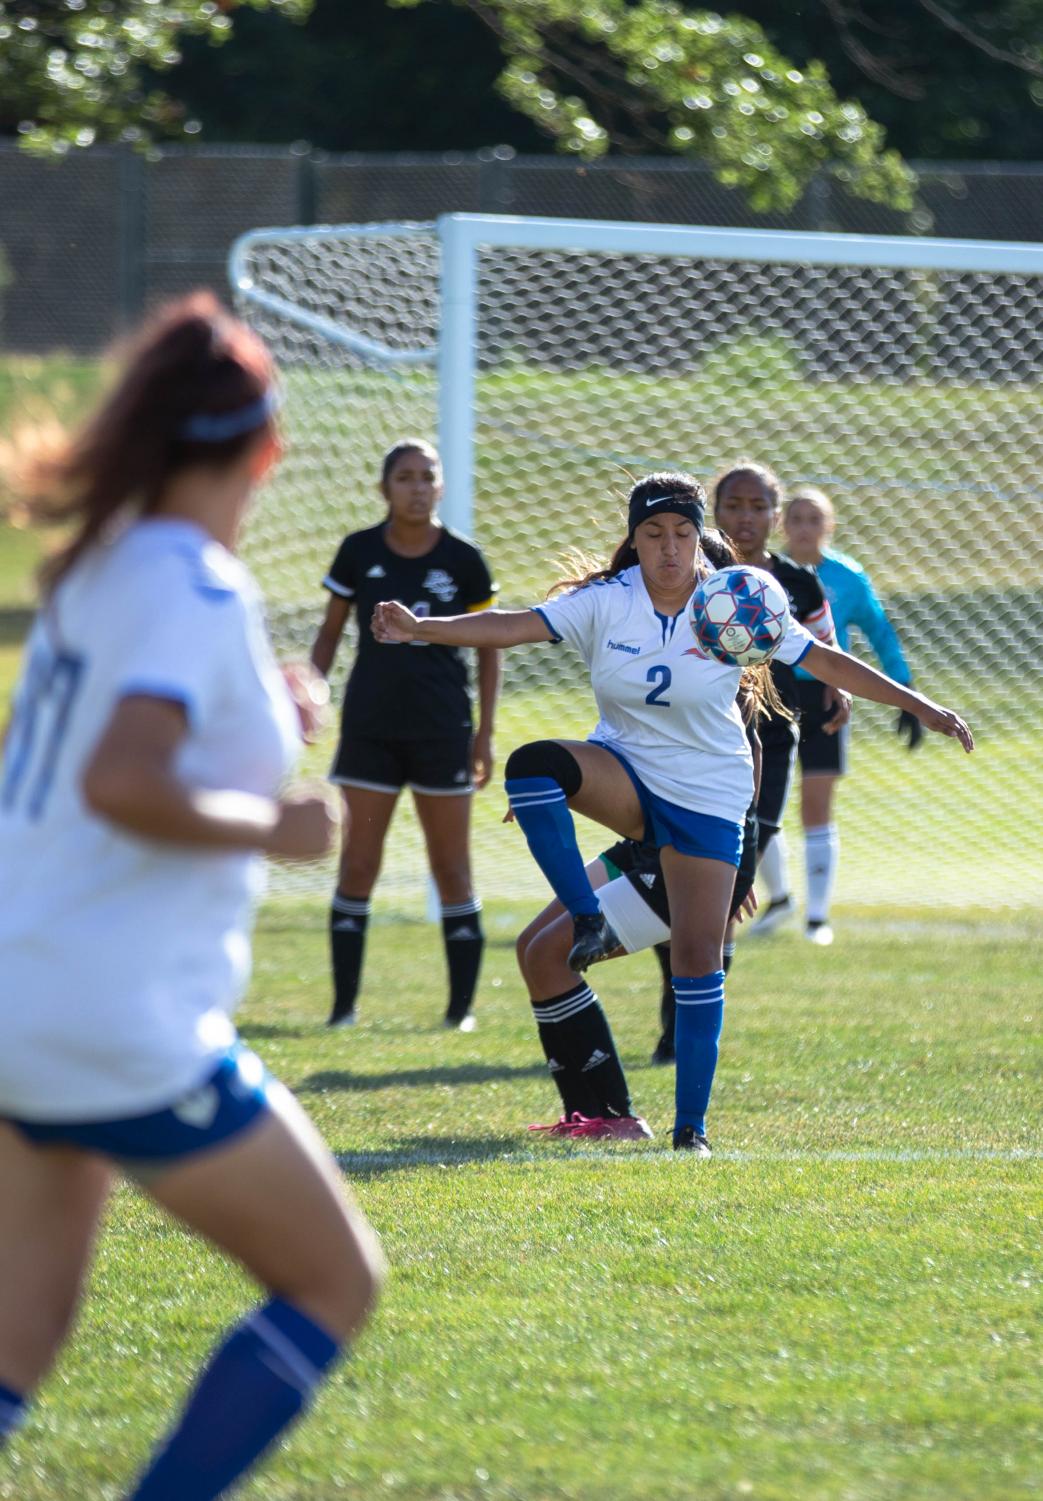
91, 240
910, 390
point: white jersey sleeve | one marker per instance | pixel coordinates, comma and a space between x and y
184, 650
575, 617
795, 645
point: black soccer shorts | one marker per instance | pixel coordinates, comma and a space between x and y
441, 767
819, 753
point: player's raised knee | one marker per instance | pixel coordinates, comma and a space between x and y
541, 759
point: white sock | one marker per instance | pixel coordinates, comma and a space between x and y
774, 868
821, 854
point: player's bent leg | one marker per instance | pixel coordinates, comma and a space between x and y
367, 814
273, 1198
597, 875
270, 1197
544, 780
52, 1200
577, 1040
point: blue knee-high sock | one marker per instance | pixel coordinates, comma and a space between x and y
257, 1382
539, 806
12, 1412
697, 1031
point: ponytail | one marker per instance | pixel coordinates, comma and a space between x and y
196, 388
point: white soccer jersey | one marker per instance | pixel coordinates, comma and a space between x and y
121, 959
665, 706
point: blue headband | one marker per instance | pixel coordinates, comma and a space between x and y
218, 427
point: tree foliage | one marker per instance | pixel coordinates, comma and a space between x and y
655, 75
73, 72
945, 78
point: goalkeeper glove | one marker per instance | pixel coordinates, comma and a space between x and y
908, 724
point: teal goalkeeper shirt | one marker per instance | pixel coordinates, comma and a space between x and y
853, 601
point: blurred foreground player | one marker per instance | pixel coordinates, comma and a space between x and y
150, 735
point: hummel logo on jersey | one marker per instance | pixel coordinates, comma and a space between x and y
376, 572
648, 878
198, 1108
633, 651
440, 584
596, 1057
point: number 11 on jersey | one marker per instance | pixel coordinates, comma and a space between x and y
41, 717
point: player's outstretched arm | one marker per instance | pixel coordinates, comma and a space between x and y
830, 665
392, 622
131, 782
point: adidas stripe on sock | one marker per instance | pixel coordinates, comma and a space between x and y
464, 946
581, 1053
349, 917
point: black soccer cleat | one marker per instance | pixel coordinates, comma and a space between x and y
592, 939
665, 1052
687, 1139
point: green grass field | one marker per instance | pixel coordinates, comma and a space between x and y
842, 1306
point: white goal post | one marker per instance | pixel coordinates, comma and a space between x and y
554, 358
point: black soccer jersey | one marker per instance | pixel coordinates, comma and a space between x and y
416, 691
809, 606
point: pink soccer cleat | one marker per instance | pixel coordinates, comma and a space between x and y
612, 1128
563, 1127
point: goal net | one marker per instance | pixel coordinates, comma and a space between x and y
552, 360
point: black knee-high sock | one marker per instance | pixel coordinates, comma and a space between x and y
348, 918
581, 1053
667, 1003
464, 944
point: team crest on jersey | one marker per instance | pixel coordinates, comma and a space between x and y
440, 584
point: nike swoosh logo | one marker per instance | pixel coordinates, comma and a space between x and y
657, 498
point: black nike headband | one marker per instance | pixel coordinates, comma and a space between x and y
681, 505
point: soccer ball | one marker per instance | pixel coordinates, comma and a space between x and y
739, 615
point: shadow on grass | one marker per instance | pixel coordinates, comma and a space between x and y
462, 1073
271, 1031
425, 1151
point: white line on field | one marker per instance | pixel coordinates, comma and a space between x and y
455, 1155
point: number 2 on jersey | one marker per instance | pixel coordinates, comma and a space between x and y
41, 717
662, 674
